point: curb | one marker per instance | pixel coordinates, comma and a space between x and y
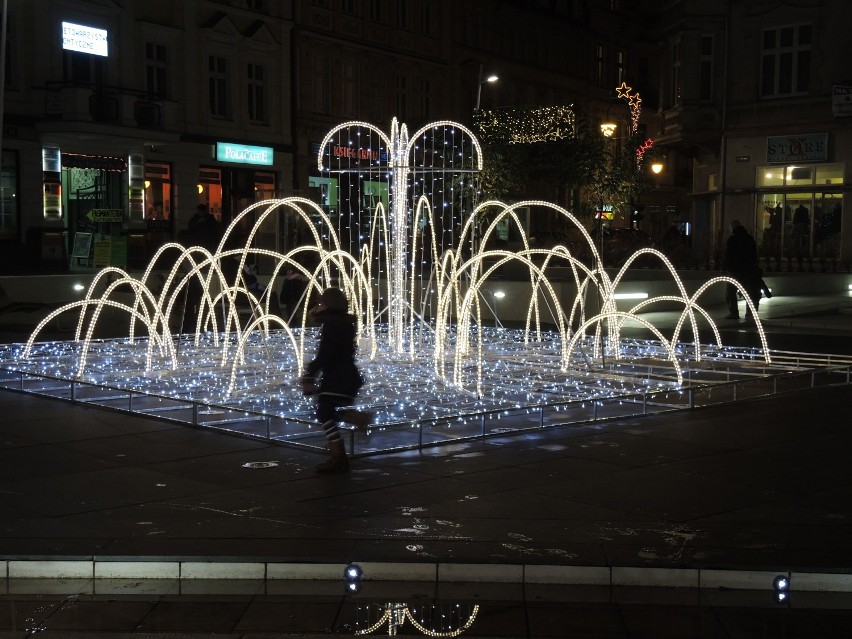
702, 578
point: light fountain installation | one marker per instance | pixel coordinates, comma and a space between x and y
409, 244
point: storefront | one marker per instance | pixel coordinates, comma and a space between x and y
799, 206
791, 196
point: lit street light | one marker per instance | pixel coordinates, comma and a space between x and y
491, 78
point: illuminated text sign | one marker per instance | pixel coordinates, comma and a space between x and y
78, 37
243, 154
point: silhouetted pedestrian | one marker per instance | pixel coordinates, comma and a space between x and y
740, 263
339, 377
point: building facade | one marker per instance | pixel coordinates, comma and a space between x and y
757, 96
121, 118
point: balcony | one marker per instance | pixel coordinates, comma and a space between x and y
75, 102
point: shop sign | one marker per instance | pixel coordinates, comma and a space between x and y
605, 212
841, 101
105, 215
83, 39
797, 148
244, 154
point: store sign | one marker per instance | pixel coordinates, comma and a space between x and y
243, 154
841, 101
797, 148
105, 215
83, 39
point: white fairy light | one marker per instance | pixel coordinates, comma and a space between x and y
416, 287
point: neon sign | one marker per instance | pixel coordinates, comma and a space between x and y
244, 154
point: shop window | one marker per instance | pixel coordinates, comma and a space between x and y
828, 217
264, 185
158, 191
210, 191
324, 192
9, 196
829, 174
799, 175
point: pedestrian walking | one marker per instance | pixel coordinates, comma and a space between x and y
333, 376
740, 263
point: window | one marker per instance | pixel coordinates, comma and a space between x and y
402, 14
620, 72
348, 88
256, 5
401, 97
378, 103
377, 10
780, 175
256, 79
218, 86
348, 6
426, 98
9, 78
9, 195
319, 84
674, 87
155, 70
600, 65
158, 191
426, 17
786, 61
705, 69
83, 68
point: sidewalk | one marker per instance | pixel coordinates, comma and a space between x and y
729, 495
756, 488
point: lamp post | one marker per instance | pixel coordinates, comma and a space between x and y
498, 295
491, 78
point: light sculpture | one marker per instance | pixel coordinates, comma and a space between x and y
415, 264
452, 621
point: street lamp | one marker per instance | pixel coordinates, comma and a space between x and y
491, 78
657, 167
498, 295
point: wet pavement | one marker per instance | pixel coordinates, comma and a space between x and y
571, 532
254, 610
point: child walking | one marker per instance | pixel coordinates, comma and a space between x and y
339, 377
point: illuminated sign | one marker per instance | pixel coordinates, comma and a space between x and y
78, 37
358, 154
811, 147
243, 154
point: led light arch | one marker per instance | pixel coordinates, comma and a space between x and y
417, 281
